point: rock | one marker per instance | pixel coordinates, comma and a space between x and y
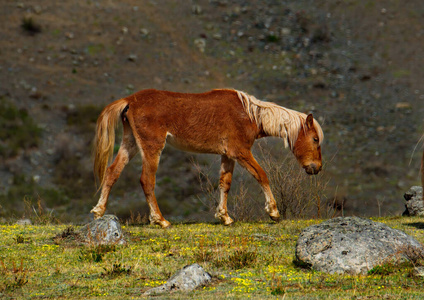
104, 230
419, 271
132, 57
144, 32
196, 9
414, 205
353, 246
187, 279
70, 35
200, 43
403, 106
24, 222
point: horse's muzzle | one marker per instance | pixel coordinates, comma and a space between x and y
312, 169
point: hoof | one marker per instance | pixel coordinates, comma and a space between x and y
97, 214
224, 218
275, 218
165, 224
229, 222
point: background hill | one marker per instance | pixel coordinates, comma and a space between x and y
355, 64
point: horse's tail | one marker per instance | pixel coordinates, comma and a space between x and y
105, 137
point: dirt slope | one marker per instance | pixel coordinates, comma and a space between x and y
356, 65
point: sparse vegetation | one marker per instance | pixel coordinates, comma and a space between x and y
298, 195
13, 278
95, 253
247, 260
18, 131
33, 200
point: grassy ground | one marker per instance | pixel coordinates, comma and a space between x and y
248, 260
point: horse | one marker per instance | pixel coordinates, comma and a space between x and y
222, 121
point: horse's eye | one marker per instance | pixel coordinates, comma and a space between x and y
316, 139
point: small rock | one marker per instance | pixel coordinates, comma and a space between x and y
217, 36
200, 44
187, 279
419, 271
24, 222
104, 230
414, 205
403, 105
144, 31
37, 9
36, 178
132, 57
120, 40
69, 35
263, 237
285, 31
196, 9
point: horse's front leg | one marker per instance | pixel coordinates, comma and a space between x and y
227, 167
247, 161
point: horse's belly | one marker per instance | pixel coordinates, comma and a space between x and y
200, 146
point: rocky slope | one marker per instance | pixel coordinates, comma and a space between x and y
354, 64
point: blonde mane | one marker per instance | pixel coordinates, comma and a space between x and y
276, 120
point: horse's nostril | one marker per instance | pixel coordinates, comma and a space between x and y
312, 169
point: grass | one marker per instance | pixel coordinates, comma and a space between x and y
247, 260
19, 131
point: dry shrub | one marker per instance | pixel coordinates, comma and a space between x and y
240, 204
298, 195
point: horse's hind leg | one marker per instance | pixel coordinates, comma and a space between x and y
150, 155
247, 161
126, 152
227, 167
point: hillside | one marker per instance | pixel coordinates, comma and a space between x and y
354, 64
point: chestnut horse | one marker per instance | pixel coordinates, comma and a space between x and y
225, 122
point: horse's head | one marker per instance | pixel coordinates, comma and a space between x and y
307, 147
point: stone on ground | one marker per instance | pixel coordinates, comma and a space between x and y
414, 204
354, 246
104, 230
187, 279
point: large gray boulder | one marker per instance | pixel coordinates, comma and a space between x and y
353, 246
187, 279
414, 205
104, 230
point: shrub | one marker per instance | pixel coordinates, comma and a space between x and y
29, 26
297, 194
116, 270
95, 253
12, 279
18, 130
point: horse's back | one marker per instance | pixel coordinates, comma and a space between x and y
204, 122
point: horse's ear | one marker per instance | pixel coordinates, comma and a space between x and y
310, 121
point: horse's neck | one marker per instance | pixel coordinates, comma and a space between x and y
280, 122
